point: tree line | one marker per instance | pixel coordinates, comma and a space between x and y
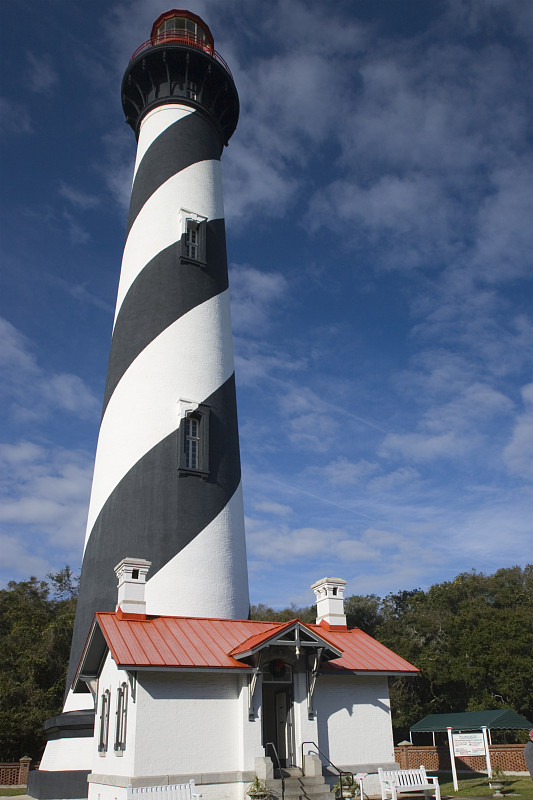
36, 623
471, 638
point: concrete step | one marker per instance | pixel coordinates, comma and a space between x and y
302, 788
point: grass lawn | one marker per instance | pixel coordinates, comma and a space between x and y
478, 786
12, 792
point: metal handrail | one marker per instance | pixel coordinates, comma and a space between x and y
190, 39
331, 764
273, 746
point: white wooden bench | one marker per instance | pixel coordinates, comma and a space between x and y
397, 781
174, 791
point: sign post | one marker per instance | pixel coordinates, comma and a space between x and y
468, 744
452, 759
487, 752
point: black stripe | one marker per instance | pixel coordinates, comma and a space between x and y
185, 142
153, 513
161, 293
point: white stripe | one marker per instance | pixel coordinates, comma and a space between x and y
154, 124
190, 359
212, 570
67, 754
197, 188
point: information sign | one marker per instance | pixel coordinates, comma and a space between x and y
468, 744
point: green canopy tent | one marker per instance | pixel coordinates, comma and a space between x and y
465, 721
502, 718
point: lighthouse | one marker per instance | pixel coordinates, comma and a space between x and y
167, 479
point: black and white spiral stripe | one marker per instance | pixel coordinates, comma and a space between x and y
171, 340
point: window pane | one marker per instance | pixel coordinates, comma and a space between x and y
192, 432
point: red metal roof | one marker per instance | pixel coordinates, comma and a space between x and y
362, 653
176, 641
197, 642
259, 637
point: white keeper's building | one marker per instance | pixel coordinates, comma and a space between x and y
189, 697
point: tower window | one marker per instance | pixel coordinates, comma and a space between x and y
193, 238
184, 27
192, 441
193, 456
181, 27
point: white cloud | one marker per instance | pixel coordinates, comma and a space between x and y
251, 183
283, 543
80, 292
504, 245
420, 447
14, 349
77, 197
257, 361
14, 118
409, 215
404, 478
117, 169
42, 76
77, 234
29, 392
19, 562
343, 472
518, 454
270, 507
255, 296
44, 496
477, 403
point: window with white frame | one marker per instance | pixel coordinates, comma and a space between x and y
104, 721
193, 238
121, 717
193, 454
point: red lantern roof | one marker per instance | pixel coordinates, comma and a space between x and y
181, 25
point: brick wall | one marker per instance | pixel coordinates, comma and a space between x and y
505, 756
16, 773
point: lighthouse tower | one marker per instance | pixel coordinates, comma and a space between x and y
167, 479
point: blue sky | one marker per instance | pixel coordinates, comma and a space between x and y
380, 236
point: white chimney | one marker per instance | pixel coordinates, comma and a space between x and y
330, 601
131, 574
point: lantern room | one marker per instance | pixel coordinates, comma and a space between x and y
182, 26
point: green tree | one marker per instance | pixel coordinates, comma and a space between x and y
261, 611
365, 612
36, 621
472, 640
